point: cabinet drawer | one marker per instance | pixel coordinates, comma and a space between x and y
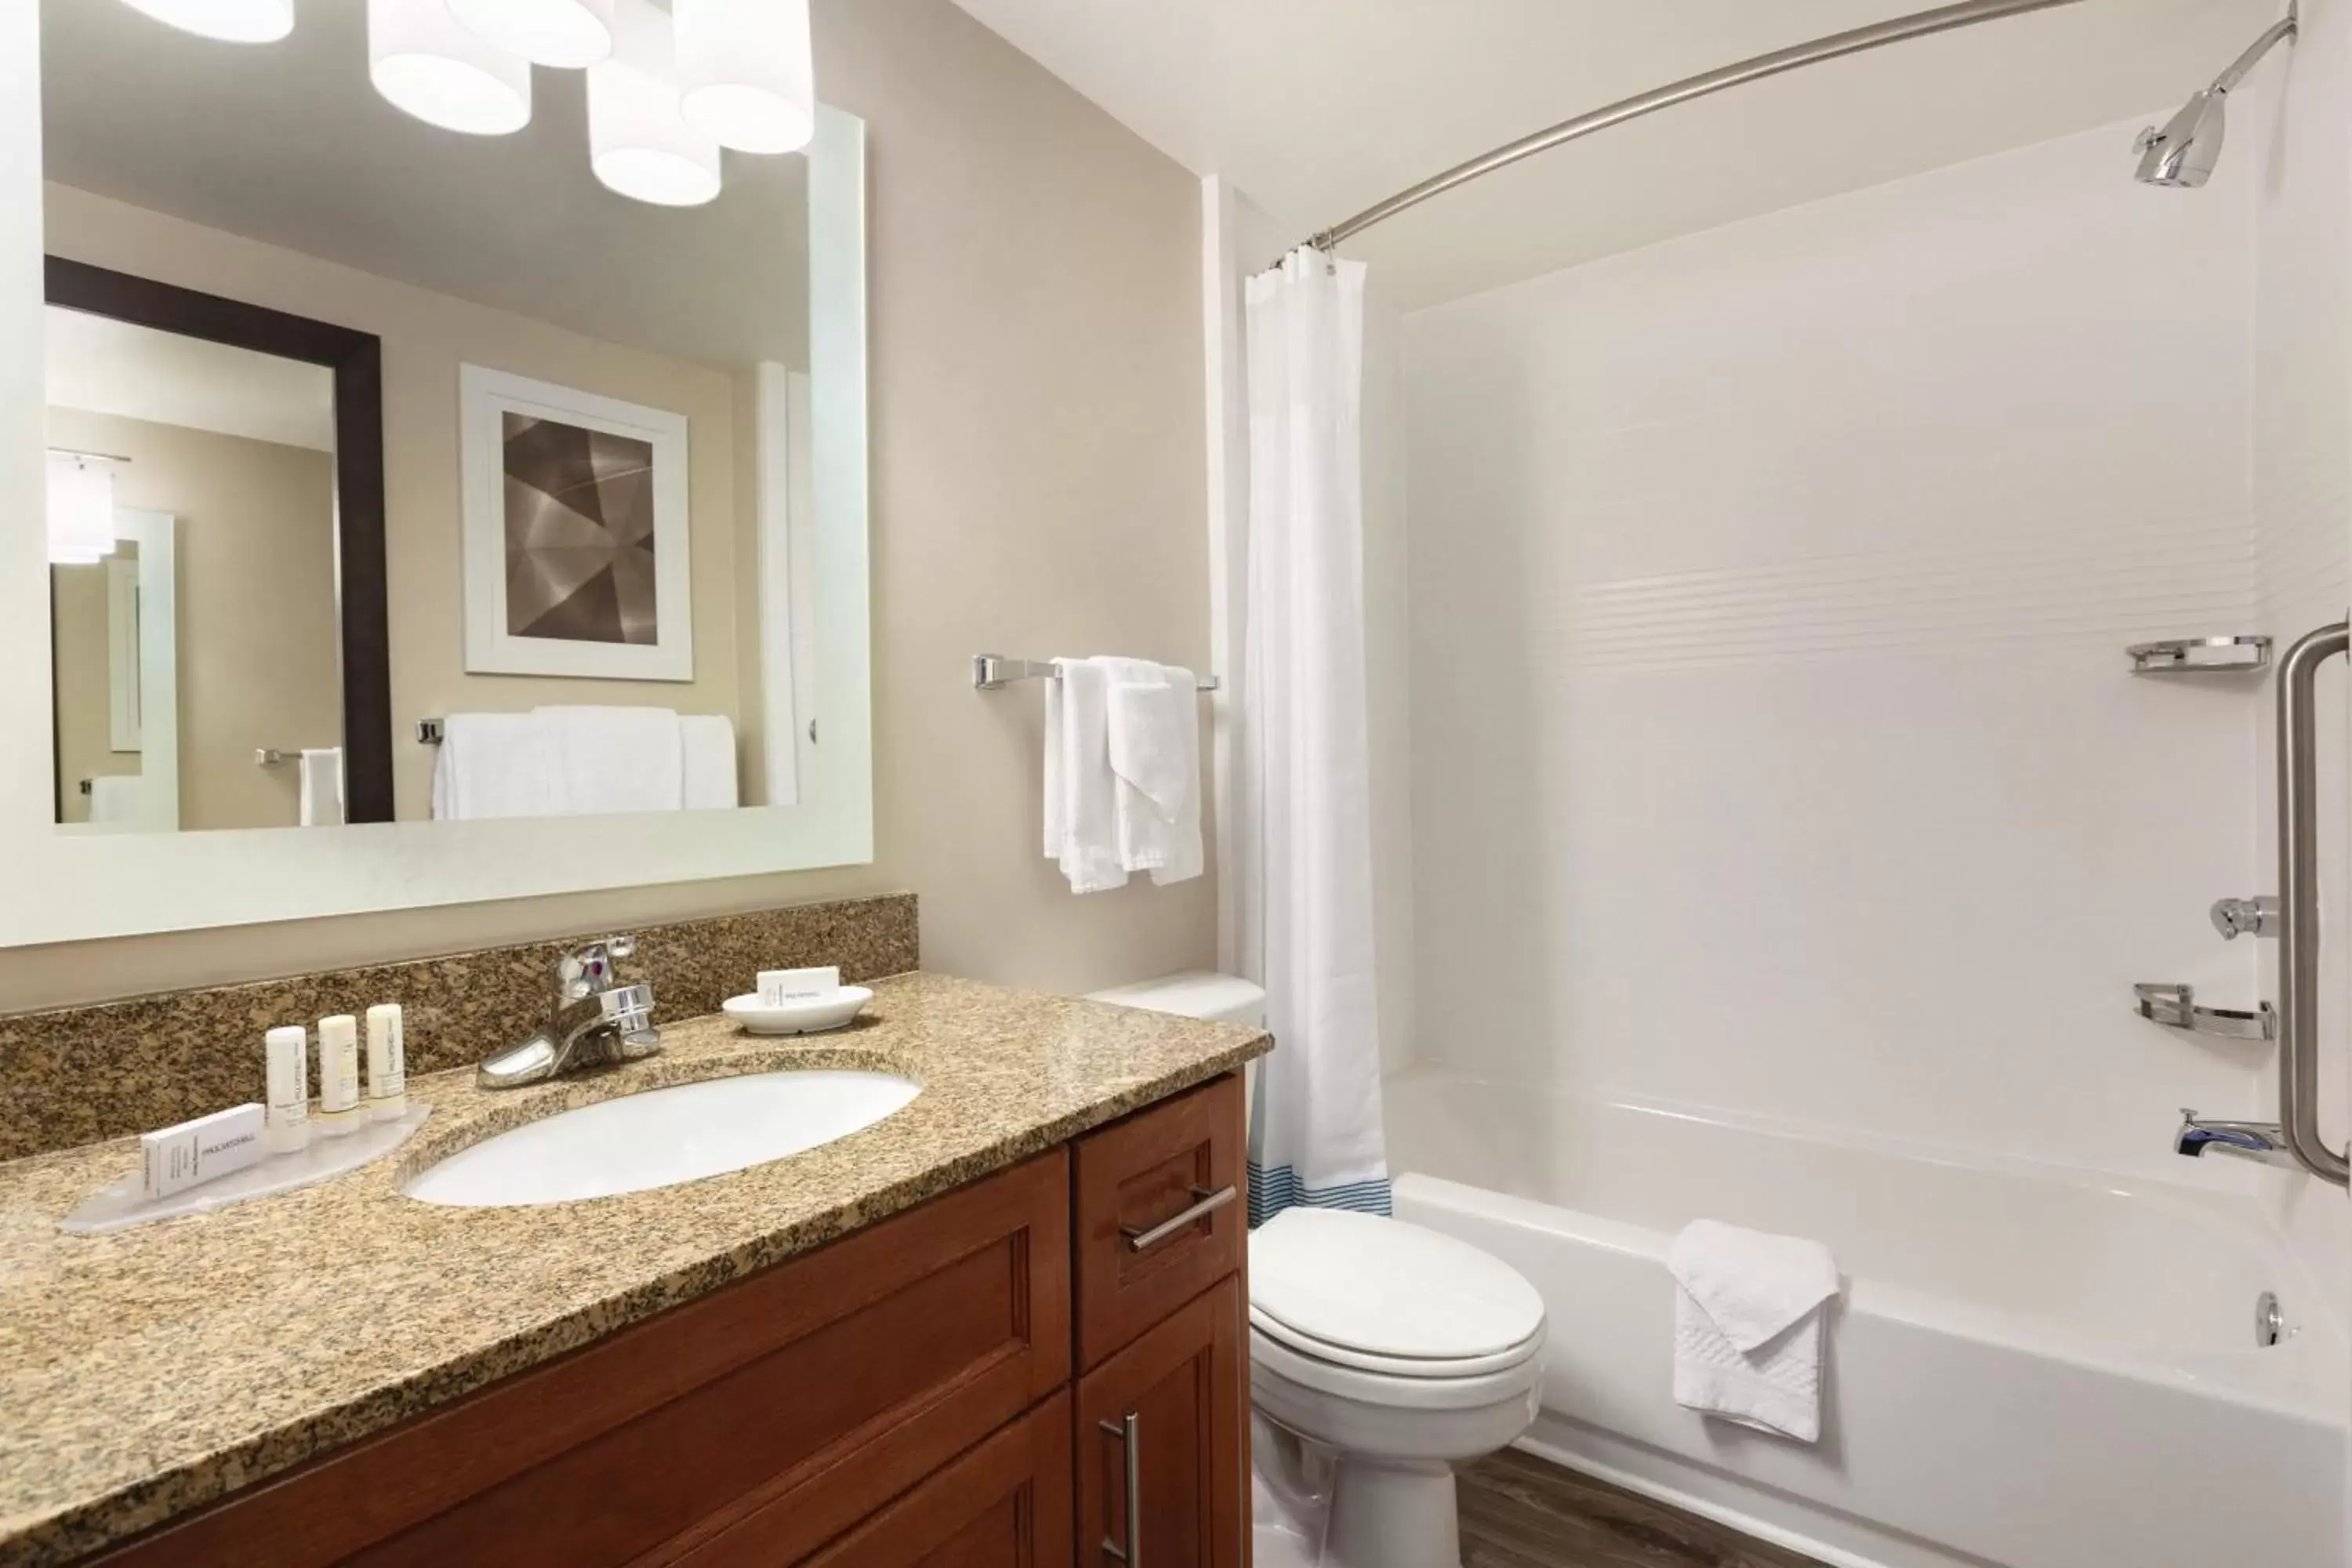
780, 1411
1007, 1504
1137, 1261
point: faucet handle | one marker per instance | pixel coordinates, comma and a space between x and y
590, 971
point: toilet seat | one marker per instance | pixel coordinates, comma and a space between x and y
1267, 1324
1384, 1297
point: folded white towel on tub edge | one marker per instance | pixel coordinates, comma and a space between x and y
1748, 1321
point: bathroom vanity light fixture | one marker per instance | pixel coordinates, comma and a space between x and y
231, 21
81, 507
744, 72
638, 141
569, 33
426, 63
667, 89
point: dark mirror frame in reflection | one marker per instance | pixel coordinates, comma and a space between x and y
356, 360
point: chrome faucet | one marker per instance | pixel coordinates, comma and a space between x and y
2258, 1140
593, 1020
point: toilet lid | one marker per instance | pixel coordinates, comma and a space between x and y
1382, 1289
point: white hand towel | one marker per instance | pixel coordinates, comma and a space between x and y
117, 797
1146, 735
1081, 791
1155, 754
606, 761
1748, 1326
708, 780
491, 765
321, 787
1186, 857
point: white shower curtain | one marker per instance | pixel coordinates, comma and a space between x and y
1303, 816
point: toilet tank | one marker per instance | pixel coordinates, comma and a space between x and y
1194, 993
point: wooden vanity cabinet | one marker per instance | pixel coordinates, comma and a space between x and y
1158, 1462
922, 1391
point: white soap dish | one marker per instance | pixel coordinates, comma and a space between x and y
810, 1017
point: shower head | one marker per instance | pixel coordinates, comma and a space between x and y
2184, 151
2183, 154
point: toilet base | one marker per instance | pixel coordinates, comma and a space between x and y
1312, 1508
1393, 1515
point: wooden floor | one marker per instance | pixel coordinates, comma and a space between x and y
1518, 1512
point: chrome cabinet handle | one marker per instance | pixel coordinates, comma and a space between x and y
1141, 1240
1130, 1550
2298, 914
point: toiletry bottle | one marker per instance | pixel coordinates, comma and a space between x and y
339, 1076
289, 1074
387, 1064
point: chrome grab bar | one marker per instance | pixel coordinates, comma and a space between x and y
1130, 1550
2298, 1003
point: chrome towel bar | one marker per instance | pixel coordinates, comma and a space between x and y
995, 672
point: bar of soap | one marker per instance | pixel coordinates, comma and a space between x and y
177, 1158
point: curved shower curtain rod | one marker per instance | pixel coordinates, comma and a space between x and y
1854, 41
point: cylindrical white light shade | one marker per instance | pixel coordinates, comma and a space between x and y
80, 510
232, 21
426, 65
638, 142
572, 34
744, 72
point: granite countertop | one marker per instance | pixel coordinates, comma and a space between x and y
150, 1371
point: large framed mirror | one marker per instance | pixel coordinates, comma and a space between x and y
389, 498
271, 426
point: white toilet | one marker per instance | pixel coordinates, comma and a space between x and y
1382, 1355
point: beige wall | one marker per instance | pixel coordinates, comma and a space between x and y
79, 644
426, 336
1038, 487
254, 593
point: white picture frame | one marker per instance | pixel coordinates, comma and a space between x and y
493, 647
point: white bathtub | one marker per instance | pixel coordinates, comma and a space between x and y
2032, 1367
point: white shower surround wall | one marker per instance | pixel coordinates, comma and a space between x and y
2031, 1366
1774, 745
1773, 749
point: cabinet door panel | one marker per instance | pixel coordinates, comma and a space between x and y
1007, 1504
1175, 1395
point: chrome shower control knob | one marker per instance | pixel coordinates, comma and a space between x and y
2234, 918
2148, 137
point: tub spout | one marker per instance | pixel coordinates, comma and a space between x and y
2244, 1139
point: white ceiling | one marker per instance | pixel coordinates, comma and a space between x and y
1318, 108
105, 366
289, 144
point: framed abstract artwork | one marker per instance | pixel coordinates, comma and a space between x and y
577, 532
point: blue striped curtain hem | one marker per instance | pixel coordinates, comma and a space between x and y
1271, 1192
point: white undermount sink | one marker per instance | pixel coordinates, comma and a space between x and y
662, 1137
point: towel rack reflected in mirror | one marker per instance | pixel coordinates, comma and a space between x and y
994, 671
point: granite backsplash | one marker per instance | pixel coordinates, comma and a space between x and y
80, 1075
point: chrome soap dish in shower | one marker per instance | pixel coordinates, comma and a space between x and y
2201, 656
2174, 1007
